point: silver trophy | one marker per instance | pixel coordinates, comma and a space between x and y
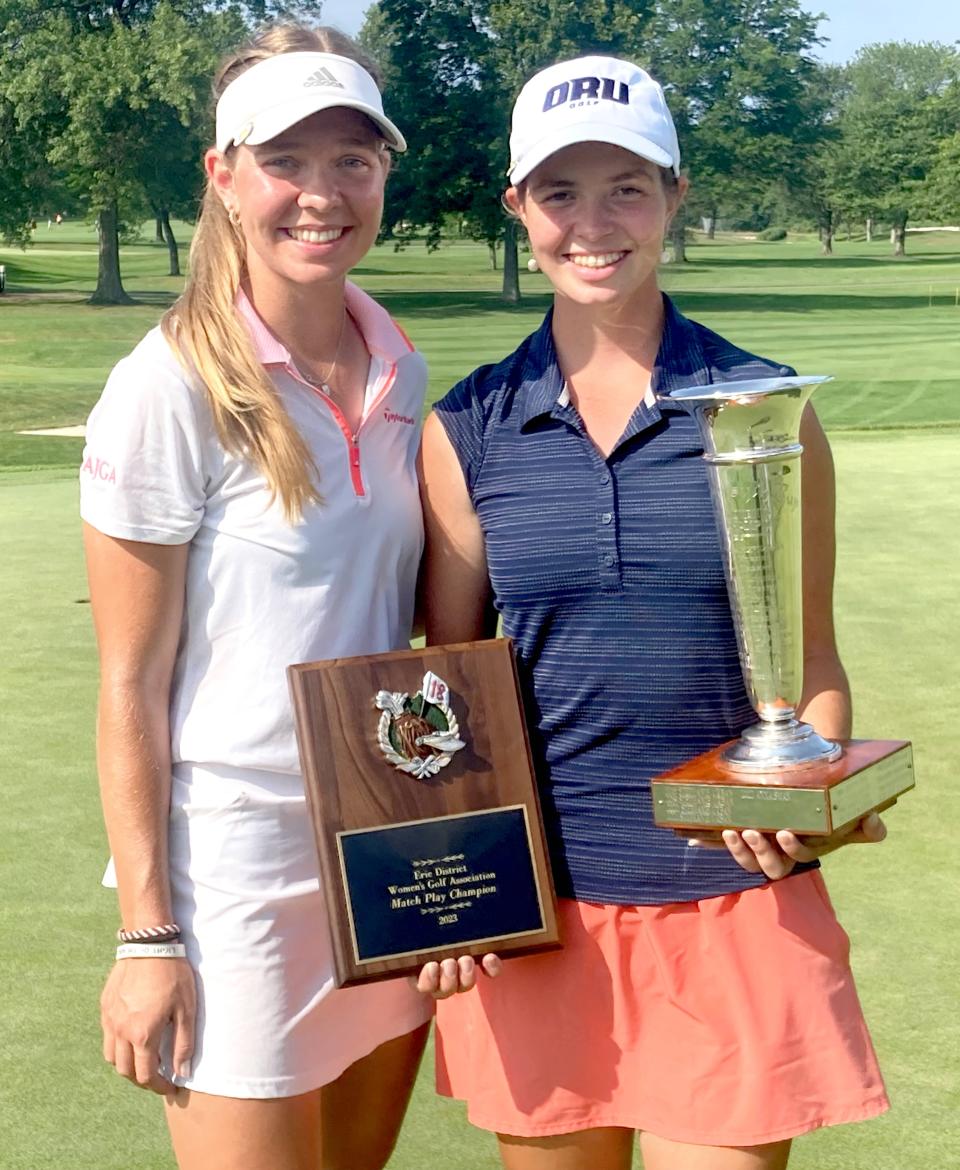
750, 433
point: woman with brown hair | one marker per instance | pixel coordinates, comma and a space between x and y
703, 997
250, 501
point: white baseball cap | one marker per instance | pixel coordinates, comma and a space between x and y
591, 99
280, 91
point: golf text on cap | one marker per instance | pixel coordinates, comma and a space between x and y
583, 88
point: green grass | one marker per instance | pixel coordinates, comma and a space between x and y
889, 330
899, 520
860, 315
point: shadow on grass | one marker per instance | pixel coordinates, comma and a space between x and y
25, 296
437, 305
366, 270
434, 305
424, 271
715, 258
791, 301
28, 295
149, 297
26, 277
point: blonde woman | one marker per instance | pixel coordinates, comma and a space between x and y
249, 499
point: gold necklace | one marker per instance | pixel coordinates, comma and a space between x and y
323, 383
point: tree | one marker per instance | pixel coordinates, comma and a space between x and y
25, 178
742, 87
453, 69
738, 74
811, 189
939, 196
901, 105
533, 35
441, 91
174, 114
113, 90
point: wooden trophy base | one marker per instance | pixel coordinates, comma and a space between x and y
704, 796
418, 774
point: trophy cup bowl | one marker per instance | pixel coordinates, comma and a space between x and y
779, 774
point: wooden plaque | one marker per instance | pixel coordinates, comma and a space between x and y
427, 849
704, 796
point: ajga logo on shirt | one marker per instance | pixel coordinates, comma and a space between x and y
99, 469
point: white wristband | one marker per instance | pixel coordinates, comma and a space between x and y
152, 951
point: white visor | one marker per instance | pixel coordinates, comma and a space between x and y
275, 94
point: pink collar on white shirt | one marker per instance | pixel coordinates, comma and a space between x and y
382, 335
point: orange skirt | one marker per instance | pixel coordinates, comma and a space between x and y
733, 1021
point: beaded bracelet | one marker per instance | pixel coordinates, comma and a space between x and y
151, 951
169, 932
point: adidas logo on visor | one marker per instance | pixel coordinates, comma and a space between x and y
322, 76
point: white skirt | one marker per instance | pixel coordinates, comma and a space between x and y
246, 894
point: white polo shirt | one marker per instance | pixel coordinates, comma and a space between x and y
262, 593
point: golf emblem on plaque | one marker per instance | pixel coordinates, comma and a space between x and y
779, 774
421, 790
418, 735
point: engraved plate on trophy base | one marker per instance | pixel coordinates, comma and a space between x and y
703, 796
424, 805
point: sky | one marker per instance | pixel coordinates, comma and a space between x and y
851, 23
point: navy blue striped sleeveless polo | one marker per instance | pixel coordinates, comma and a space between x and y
608, 576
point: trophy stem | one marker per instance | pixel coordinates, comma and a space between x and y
779, 747
776, 716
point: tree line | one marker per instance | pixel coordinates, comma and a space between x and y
105, 111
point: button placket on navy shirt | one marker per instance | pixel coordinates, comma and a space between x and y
680, 362
607, 523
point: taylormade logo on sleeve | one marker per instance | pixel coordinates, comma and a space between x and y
587, 89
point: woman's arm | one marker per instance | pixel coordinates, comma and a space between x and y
136, 592
455, 600
825, 702
455, 588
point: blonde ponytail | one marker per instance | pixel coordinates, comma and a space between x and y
206, 331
